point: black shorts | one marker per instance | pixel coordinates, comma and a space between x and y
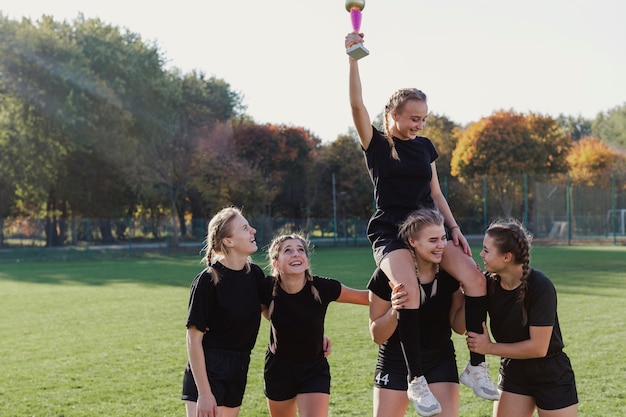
550, 381
228, 375
285, 379
382, 232
438, 366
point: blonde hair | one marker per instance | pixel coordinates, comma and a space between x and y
274, 251
396, 102
417, 221
510, 236
220, 228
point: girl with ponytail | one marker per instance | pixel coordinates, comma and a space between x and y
223, 318
402, 169
297, 374
535, 373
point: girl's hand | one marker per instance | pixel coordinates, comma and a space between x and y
398, 296
479, 342
353, 38
326, 345
459, 239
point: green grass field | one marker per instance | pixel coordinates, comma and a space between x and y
107, 337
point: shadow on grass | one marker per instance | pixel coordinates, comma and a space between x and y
148, 268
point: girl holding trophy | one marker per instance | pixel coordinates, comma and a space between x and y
402, 168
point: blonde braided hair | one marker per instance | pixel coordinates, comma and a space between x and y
396, 102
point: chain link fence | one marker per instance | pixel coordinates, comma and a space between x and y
554, 210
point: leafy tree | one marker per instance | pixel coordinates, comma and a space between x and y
342, 158
443, 133
508, 144
610, 127
577, 127
283, 156
592, 162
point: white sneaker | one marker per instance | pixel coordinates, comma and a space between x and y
478, 379
423, 400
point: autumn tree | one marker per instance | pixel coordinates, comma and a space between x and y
592, 163
283, 156
508, 144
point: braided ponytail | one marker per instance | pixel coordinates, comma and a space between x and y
511, 237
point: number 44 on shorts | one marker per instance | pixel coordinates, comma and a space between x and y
382, 379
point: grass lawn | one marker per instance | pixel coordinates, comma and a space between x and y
86, 338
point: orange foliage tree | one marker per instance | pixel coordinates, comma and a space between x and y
507, 145
592, 162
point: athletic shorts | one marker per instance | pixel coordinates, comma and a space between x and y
550, 381
285, 379
228, 375
438, 366
382, 232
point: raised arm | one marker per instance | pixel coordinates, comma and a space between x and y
360, 116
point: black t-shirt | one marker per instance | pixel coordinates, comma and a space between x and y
505, 313
298, 319
403, 184
434, 317
230, 310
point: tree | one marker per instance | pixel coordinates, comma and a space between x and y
508, 144
577, 127
592, 163
283, 156
343, 158
443, 132
610, 127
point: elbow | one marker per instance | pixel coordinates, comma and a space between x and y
542, 352
375, 335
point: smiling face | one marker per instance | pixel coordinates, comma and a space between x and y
291, 257
493, 260
409, 119
429, 243
241, 239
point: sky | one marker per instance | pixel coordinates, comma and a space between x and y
471, 57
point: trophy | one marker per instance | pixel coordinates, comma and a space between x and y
355, 7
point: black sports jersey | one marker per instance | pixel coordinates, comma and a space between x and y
230, 310
297, 322
434, 317
505, 312
403, 184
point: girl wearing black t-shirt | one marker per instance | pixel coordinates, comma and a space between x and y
297, 374
535, 373
402, 168
441, 311
223, 319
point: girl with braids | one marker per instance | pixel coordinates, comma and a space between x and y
441, 311
223, 319
535, 373
402, 168
297, 374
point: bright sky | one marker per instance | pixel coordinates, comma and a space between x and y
471, 57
